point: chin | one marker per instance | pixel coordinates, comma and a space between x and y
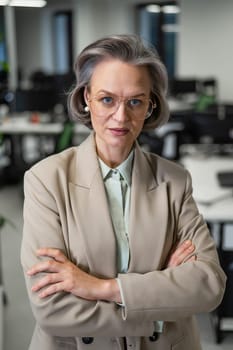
121, 141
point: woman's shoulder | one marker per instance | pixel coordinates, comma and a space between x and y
167, 170
54, 165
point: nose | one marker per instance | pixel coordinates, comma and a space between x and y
121, 113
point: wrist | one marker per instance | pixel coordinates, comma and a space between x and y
111, 291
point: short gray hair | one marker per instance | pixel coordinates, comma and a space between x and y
129, 49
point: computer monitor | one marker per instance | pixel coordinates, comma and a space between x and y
34, 100
183, 86
208, 127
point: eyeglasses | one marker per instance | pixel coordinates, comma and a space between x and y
106, 105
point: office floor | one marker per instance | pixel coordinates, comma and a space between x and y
19, 321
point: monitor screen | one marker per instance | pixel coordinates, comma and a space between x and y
34, 100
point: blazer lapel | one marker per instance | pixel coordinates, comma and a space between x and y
90, 207
148, 216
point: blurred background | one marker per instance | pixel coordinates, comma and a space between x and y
38, 47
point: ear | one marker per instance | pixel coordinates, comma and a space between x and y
86, 95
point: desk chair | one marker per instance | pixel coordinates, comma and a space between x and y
151, 142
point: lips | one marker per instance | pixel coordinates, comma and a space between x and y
119, 131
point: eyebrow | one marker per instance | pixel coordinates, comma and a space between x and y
111, 93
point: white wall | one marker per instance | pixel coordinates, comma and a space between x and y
95, 19
204, 45
28, 39
34, 33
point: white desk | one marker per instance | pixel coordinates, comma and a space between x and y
214, 202
177, 105
216, 205
21, 125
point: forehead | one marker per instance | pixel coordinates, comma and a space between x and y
115, 76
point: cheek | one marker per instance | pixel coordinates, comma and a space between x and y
137, 127
96, 122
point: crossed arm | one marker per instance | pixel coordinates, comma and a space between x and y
61, 275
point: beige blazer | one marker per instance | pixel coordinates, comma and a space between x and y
66, 207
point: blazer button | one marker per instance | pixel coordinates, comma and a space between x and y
87, 340
154, 337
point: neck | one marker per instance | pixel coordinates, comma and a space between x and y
112, 155
111, 159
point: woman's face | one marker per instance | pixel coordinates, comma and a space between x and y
117, 89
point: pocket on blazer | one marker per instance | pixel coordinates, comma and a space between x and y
65, 343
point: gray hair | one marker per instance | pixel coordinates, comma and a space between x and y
129, 49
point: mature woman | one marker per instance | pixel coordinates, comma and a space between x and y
101, 220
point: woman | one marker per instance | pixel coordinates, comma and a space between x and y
102, 220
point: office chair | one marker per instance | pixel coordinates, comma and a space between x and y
151, 142
41, 81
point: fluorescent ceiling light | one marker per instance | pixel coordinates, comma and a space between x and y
153, 8
23, 3
170, 9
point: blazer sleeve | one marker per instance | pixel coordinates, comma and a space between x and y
64, 314
181, 291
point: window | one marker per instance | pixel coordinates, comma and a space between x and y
158, 25
63, 41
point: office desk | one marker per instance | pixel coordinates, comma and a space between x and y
21, 125
214, 202
15, 128
216, 205
178, 105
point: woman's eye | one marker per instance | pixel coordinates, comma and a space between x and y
107, 100
134, 102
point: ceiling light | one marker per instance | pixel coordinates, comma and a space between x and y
170, 9
153, 8
23, 3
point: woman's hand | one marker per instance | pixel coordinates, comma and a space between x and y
62, 275
182, 254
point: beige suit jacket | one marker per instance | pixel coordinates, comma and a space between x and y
66, 207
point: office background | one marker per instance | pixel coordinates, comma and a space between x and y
203, 46
203, 50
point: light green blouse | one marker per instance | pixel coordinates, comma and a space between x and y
117, 184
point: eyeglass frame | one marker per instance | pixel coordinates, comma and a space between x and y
125, 101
